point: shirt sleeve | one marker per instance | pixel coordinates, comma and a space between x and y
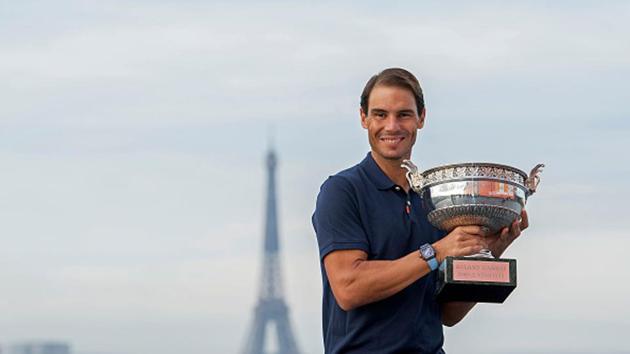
337, 220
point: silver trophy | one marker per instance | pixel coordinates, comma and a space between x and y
484, 194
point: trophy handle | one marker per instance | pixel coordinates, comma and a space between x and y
415, 179
534, 179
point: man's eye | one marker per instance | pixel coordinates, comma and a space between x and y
380, 115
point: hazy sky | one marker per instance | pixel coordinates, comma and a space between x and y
132, 139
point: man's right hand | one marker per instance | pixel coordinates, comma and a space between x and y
462, 241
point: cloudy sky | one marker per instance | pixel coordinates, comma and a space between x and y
132, 138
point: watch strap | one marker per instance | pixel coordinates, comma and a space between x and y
433, 263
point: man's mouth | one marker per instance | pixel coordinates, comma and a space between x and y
391, 139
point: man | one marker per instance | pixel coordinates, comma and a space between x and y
378, 290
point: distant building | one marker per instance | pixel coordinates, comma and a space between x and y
40, 348
271, 309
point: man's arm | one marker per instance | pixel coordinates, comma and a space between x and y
356, 281
454, 312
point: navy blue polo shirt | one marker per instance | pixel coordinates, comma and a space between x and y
361, 208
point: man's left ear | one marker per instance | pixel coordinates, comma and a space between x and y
421, 118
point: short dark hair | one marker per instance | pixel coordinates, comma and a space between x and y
393, 77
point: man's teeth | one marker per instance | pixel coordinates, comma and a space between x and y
391, 140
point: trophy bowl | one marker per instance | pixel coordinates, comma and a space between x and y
474, 193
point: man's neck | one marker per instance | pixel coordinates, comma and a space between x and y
392, 169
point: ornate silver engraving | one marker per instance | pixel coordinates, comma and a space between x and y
491, 216
474, 170
484, 194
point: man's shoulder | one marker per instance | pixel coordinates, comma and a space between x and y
348, 178
350, 174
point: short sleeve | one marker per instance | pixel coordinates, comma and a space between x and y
337, 220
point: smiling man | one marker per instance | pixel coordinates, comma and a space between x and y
378, 287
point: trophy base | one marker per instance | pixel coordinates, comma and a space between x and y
476, 279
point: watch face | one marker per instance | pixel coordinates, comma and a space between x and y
427, 251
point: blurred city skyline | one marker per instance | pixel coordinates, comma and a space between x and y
133, 136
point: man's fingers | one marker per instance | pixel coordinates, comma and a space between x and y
504, 233
472, 246
524, 220
474, 230
475, 242
471, 250
515, 230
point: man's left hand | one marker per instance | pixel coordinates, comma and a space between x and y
500, 241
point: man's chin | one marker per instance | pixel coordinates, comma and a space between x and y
395, 158
392, 156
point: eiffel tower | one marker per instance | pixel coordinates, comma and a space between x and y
271, 307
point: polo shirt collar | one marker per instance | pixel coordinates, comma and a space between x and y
376, 175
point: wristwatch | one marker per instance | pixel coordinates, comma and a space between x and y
428, 254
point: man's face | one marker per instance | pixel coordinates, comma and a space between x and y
392, 122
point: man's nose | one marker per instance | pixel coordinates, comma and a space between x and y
391, 123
